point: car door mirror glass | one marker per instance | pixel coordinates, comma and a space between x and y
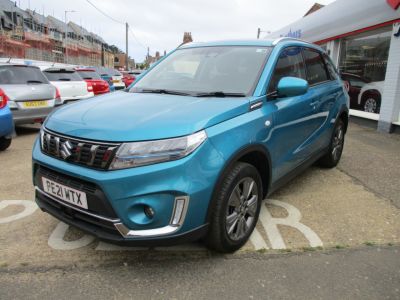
291, 86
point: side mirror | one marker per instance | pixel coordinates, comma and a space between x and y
292, 86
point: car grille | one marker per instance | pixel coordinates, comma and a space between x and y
88, 153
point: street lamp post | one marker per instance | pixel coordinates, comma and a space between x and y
66, 33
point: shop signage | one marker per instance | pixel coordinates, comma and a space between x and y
394, 3
294, 34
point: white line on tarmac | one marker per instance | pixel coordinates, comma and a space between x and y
29, 208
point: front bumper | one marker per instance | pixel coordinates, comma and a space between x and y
127, 191
105, 229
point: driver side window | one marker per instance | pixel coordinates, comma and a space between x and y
290, 63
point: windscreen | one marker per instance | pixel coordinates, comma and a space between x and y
227, 69
21, 75
62, 75
89, 75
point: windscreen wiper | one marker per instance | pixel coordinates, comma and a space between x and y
64, 79
162, 91
220, 94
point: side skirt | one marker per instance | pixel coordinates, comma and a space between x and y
296, 171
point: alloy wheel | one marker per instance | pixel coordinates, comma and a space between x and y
242, 209
337, 144
370, 105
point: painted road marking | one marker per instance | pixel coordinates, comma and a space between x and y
56, 239
29, 208
293, 220
257, 240
269, 223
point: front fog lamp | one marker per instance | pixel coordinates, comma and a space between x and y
150, 152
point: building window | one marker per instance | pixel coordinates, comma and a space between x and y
362, 63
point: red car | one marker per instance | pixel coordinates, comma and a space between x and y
100, 86
129, 77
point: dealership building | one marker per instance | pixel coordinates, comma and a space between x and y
363, 39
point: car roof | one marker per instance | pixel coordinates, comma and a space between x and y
253, 42
17, 65
67, 69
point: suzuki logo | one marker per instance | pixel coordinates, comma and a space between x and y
66, 149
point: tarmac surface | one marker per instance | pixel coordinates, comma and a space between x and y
331, 233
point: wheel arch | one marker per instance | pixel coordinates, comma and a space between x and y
256, 155
344, 116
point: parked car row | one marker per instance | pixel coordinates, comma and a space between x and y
29, 91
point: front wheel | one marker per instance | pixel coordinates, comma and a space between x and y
236, 209
331, 159
4, 143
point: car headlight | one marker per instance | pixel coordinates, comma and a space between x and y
152, 152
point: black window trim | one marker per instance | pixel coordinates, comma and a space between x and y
273, 95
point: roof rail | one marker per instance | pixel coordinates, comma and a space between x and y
278, 40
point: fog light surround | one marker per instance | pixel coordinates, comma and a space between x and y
178, 211
181, 205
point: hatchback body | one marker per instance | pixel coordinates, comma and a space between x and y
31, 96
99, 85
128, 77
112, 76
194, 145
105, 76
69, 84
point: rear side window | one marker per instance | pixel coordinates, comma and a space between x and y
89, 75
289, 64
21, 75
62, 76
331, 68
316, 70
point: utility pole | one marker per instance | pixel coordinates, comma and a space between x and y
126, 53
258, 32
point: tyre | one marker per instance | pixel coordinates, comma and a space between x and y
236, 209
371, 103
332, 158
4, 143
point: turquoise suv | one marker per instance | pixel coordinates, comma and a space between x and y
191, 148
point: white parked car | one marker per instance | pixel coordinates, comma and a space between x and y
70, 85
370, 96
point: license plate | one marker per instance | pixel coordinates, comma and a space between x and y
65, 193
115, 81
35, 104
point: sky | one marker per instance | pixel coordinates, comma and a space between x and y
160, 24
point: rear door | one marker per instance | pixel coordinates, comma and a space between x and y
323, 92
293, 120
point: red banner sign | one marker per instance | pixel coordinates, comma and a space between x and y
394, 3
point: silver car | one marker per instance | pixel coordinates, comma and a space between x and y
31, 96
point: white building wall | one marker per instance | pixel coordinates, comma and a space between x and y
390, 106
